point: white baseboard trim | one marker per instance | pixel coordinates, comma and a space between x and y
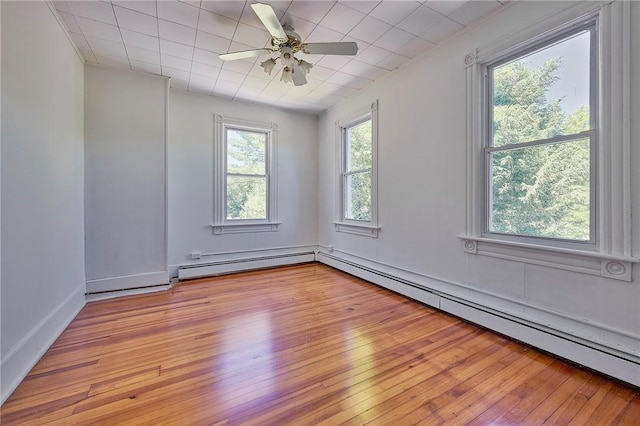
622, 365
94, 297
128, 282
237, 264
25, 354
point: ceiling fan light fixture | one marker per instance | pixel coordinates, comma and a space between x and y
268, 65
286, 75
304, 66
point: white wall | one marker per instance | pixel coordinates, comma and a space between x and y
191, 126
42, 186
422, 176
125, 179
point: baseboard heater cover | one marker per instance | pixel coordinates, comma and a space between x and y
572, 349
186, 272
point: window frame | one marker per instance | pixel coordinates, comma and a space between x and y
609, 253
342, 223
590, 24
221, 224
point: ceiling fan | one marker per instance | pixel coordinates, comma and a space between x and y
286, 41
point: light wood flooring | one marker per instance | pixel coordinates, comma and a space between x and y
303, 345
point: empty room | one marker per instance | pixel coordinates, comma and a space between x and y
320, 212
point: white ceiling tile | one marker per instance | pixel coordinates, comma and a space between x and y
217, 24
206, 70
256, 82
230, 9
341, 18
95, 10
97, 29
247, 94
321, 35
392, 61
421, 18
228, 75
176, 49
373, 55
62, 6
206, 57
146, 67
370, 29
394, 39
194, 3
251, 36
364, 70
212, 42
175, 62
140, 40
136, 21
249, 17
334, 62
176, 32
143, 55
178, 12
238, 66
442, 30
201, 84
228, 88
321, 73
106, 48
473, 10
364, 6
415, 47
311, 10
445, 7
348, 80
393, 12
70, 22
146, 7
80, 41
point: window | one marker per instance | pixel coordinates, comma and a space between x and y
244, 184
541, 142
357, 143
548, 115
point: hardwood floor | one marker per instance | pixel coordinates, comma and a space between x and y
301, 345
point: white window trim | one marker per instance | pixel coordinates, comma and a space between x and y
611, 255
342, 224
221, 225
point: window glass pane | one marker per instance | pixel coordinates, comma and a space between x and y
359, 146
358, 196
543, 94
246, 152
246, 197
542, 191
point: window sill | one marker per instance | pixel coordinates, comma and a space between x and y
357, 229
587, 262
239, 228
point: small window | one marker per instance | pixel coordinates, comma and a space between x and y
244, 178
357, 144
540, 150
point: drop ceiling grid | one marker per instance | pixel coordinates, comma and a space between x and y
182, 40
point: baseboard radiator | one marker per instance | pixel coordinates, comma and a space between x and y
624, 367
228, 266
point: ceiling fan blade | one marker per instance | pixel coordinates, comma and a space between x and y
337, 48
244, 54
297, 75
270, 20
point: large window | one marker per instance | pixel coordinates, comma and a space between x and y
357, 143
541, 142
244, 180
548, 169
